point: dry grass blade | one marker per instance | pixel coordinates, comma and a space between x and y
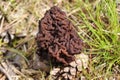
1, 25
22, 54
10, 25
2, 76
6, 68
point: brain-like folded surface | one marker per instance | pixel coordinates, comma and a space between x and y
57, 37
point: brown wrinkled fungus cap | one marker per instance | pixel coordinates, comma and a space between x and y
57, 38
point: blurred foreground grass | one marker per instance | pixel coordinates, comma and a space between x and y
97, 20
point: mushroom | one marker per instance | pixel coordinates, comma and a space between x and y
57, 38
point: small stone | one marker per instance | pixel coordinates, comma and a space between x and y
70, 77
55, 71
12, 36
61, 71
73, 64
84, 59
65, 75
73, 71
7, 37
79, 65
83, 78
3, 34
6, 40
78, 62
66, 69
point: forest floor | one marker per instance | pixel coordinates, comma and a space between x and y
98, 23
